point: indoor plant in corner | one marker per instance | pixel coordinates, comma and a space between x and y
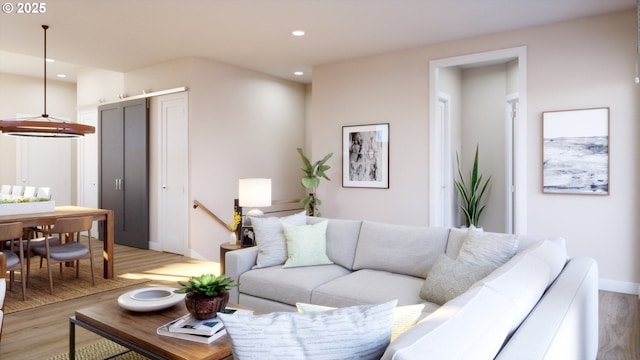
471, 193
207, 294
311, 180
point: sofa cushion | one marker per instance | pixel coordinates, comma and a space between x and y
272, 247
471, 326
552, 252
523, 280
342, 238
449, 278
409, 250
487, 248
306, 244
358, 332
288, 286
368, 286
404, 317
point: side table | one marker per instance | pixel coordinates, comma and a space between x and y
224, 248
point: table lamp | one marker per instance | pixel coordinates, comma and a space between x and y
254, 193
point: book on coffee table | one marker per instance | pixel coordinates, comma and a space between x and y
164, 330
187, 324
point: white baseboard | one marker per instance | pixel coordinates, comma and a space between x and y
623, 287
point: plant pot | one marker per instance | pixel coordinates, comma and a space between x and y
203, 307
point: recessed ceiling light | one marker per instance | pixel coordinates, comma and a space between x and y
298, 73
62, 75
297, 33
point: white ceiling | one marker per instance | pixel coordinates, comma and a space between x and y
124, 35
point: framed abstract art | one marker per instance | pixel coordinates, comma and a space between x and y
576, 151
365, 156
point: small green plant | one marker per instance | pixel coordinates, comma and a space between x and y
471, 195
22, 200
208, 284
311, 180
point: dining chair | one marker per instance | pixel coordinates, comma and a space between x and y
29, 192
69, 250
10, 234
43, 193
5, 192
3, 290
17, 191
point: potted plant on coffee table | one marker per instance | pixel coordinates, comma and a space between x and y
207, 294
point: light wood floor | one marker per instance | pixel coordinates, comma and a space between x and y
43, 332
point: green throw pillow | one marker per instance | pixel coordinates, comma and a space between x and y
306, 244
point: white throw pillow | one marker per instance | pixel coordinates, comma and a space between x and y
306, 244
486, 248
449, 278
272, 247
404, 317
356, 332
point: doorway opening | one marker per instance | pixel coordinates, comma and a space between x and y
472, 119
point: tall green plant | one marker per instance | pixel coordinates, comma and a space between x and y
311, 181
471, 195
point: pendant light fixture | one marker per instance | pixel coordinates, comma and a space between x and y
44, 126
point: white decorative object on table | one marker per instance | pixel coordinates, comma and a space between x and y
17, 208
149, 299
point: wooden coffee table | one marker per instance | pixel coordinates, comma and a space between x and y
137, 331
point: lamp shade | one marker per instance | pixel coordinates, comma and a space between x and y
254, 192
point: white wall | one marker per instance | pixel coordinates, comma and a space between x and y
241, 124
484, 90
578, 64
25, 95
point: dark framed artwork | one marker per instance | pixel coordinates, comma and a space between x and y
365, 156
576, 151
248, 236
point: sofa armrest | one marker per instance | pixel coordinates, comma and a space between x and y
564, 323
238, 262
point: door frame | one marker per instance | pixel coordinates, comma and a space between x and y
520, 136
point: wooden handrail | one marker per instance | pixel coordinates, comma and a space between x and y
197, 204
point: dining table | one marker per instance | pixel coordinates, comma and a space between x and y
49, 218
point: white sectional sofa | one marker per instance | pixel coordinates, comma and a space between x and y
537, 303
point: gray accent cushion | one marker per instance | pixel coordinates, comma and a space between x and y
487, 248
272, 247
358, 332
409, 250
449, 278
288, 286
368, 286
342, 238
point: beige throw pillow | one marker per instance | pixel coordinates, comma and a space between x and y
486, 248
449, 278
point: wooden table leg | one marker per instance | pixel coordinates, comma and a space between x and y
108, 250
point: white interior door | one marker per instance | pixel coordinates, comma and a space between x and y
170, 173
45, 162
88, 165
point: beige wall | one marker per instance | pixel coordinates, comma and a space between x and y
578, 64
241, 124
25, 95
